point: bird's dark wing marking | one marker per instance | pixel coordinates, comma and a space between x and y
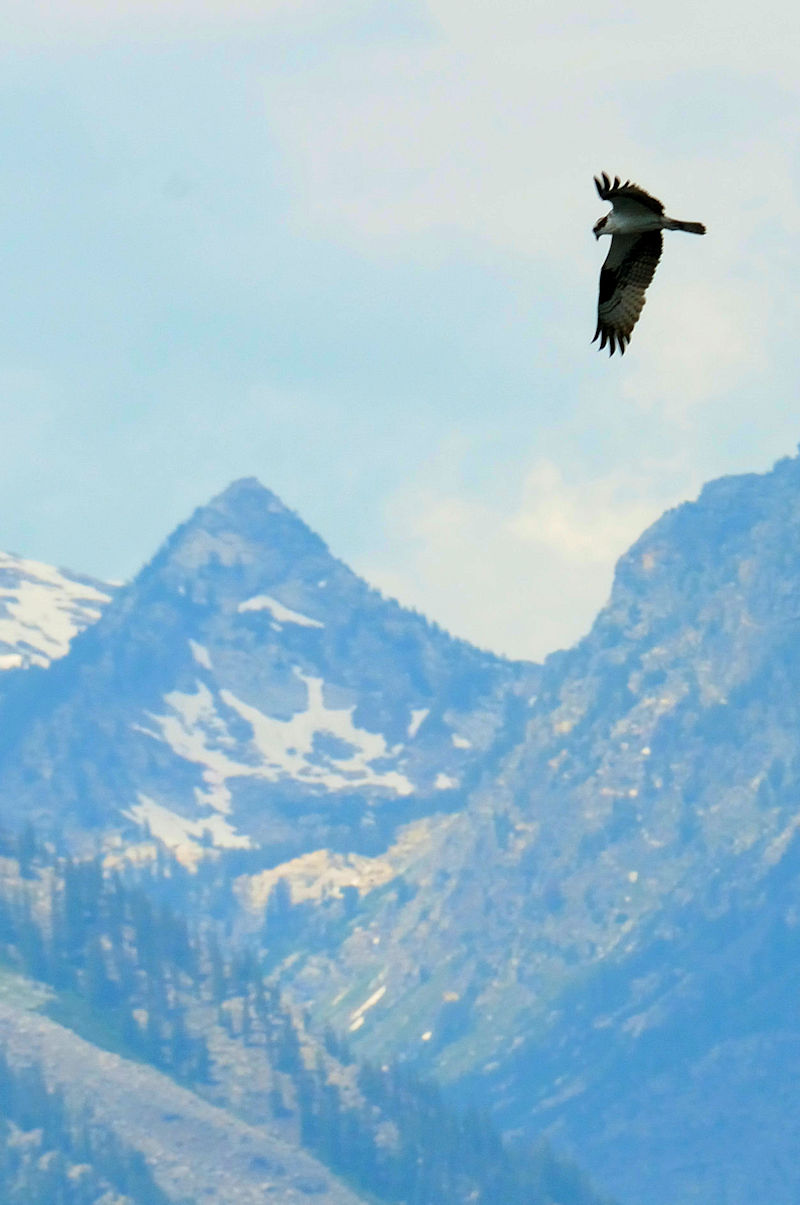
630, 264
626, 192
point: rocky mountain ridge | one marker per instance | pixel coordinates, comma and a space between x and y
520, 879
245, 676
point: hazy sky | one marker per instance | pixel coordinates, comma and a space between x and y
346, 247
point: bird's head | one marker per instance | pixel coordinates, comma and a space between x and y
600, 227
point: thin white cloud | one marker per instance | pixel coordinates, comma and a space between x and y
529, 578
72, 23
700, 340
492, 129
635, 38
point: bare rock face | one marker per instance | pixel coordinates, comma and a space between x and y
567, 890
601, 940
247, 688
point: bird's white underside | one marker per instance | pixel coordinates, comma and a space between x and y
632, 219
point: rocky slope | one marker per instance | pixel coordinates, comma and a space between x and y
247, 689
107, 998
656, 785
198, 1152
554, 887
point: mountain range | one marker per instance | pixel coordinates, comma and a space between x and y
566, 891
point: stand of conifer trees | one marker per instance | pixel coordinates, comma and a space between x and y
127, 970
49, 1156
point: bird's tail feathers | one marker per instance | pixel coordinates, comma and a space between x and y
689, 227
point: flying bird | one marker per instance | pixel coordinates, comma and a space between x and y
635, 224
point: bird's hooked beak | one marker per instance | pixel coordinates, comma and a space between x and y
596, 230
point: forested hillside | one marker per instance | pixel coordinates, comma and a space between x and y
49, 1155
128, 974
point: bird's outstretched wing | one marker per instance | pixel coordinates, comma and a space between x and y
624, 195
630, 264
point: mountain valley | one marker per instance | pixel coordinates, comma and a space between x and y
565, 892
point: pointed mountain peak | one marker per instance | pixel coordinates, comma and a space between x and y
247, 493
249, 512
250, 509
244, 539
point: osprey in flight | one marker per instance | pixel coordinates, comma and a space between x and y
635, 224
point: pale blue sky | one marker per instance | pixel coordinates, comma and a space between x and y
346, 247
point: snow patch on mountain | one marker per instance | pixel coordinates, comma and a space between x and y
197, 733
357, 1016
321, 745
41, 610
293, 747
183, 835
280, 613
